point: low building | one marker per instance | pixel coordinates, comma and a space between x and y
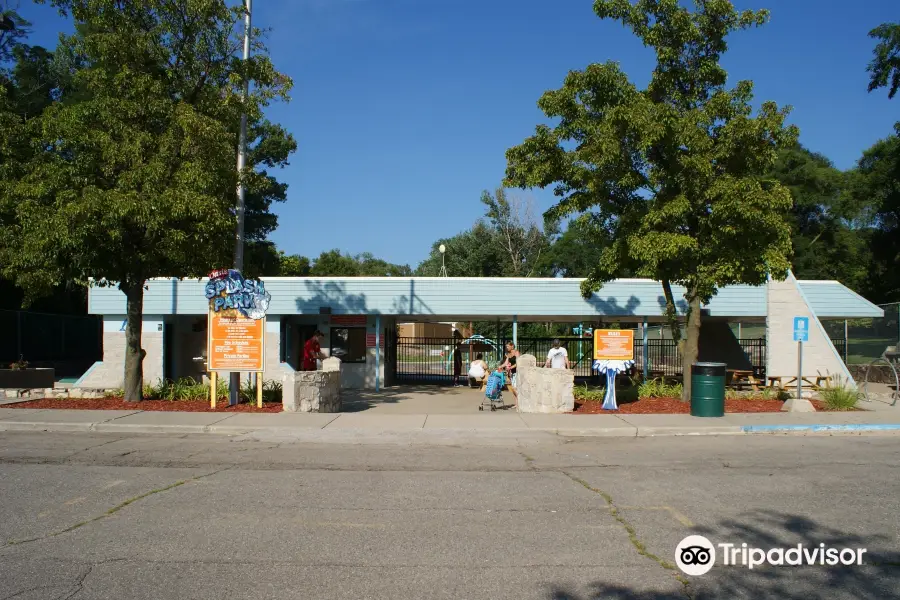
359, 317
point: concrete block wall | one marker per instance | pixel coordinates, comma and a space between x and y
785, 301
110, 372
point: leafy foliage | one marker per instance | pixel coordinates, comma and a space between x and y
134, 177
674, 173
655, 388
876, 180
885, 66
829, 233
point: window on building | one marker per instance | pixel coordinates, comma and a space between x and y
349, 344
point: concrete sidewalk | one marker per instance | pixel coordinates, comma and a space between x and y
505, 424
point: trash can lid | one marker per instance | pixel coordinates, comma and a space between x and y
710, 364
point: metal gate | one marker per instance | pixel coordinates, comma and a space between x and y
431, 359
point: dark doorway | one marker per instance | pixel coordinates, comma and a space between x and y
168, 352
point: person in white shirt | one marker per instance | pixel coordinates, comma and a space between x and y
477, 370
557, 358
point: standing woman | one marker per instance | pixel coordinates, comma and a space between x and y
312, 351
509, 365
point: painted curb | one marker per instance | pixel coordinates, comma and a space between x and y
855, 427
320, 434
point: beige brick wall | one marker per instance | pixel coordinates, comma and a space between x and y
110, 372
785, 302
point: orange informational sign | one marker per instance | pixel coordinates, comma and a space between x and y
613, 344
236, 342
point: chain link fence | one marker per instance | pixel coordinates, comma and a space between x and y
867, 339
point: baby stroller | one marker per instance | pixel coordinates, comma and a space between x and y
493, 398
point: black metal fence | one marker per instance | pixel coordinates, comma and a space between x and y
47, 338
431, 359
841, 346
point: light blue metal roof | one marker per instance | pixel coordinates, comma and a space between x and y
527, 298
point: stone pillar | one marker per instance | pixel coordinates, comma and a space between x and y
544, 390
315, 391
331, 364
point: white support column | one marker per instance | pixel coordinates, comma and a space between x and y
515, 331
377, 352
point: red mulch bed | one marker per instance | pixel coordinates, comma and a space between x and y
170, 405
657, 406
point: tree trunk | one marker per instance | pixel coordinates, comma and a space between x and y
134, 354
691, 342
671, 311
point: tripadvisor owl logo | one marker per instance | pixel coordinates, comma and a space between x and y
695, 555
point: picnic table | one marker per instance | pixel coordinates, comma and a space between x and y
738, 378
778, 381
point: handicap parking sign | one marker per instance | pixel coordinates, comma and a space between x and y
801, 329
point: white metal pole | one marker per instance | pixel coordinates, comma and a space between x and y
235, 380
799, 369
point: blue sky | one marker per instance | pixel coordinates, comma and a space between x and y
403, 109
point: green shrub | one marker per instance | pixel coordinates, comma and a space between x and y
271, 391
586, 393
183, 389
840, 396
659, 389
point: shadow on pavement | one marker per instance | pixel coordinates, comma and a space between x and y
360, 400
877, 578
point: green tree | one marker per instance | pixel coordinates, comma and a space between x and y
516, 232
135, 179
472, 253
876, 180
293, 265
676, 171
829, 236
576, 251
885, 66
505, 242
333, 263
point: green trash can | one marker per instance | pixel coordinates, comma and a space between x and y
708, 389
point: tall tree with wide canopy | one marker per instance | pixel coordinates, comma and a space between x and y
876, 180
137, 178
676, 171
830, 231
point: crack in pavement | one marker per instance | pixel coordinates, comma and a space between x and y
112, 510
632, 534
77, 452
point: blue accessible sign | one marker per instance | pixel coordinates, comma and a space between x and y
801, 329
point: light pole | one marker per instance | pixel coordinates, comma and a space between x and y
235, 380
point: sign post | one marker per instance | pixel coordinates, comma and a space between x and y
801, 334
236, 335
613, 354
